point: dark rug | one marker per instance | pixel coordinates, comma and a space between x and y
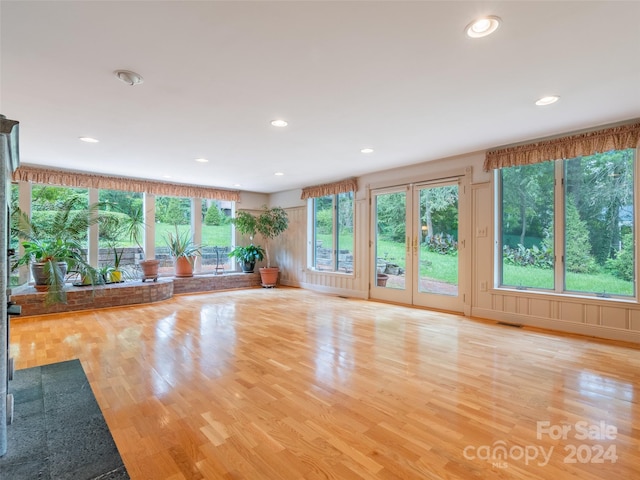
58, 431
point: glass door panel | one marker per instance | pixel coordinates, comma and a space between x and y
390, 245
415, 245
438, 238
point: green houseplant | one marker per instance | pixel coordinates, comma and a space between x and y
129, 224
183, 250
269, 223
115, 274
55, 247
247, 256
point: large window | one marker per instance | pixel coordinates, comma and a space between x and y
117, 236
120, 210
216, 236
333, 233
568, 226
172, 213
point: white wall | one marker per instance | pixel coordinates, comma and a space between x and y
252, 201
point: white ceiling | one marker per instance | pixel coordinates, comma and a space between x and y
399, 77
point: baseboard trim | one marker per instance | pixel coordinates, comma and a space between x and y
341, 292
554, 324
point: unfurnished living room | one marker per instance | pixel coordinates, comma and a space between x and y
319, 240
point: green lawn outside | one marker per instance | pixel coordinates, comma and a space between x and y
439, 267
532, 277
212, 236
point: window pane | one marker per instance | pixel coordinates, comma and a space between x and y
171, 213
46, 202
216, 236
390, 239
345, 232
119, 211
527, 226
438, 254
323, 233
599, 238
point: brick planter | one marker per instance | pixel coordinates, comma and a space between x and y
100, 296
129, 293
206, 283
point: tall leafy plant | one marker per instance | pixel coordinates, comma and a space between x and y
269, 223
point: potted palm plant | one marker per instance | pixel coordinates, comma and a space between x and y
247, 256
269, 223
54, 248
183, 251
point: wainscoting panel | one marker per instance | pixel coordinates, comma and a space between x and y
634, 320
572, 312
539, 307
594, 317
614, 317
290, 248
292, 258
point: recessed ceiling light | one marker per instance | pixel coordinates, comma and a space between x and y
278, 174
279, 123
547, 100
237, 185
129, 77
166, 176
89, 139
202, 160
482, 27
366, 150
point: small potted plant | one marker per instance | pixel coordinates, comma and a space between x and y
247, 256
183, 251
115, 275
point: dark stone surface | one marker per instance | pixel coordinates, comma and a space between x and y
58, 431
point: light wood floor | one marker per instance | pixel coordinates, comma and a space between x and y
289, 384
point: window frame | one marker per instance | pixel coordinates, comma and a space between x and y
335, 234
559, 222
25, 194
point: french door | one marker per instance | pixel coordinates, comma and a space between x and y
416, 246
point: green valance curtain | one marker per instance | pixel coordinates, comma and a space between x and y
589, 143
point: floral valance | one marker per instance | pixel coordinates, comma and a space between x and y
589, 143
344, 186
49, 176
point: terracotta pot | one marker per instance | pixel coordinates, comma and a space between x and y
269, 276
382, 280
150, 268
184, 266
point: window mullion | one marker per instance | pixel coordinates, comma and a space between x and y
559, 230
335, 232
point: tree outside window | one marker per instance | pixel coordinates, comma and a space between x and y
573, 220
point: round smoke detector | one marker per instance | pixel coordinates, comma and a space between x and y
129, 77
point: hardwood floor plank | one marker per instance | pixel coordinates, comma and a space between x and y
289, 384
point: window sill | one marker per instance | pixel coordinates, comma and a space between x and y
571, 297
330, 273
